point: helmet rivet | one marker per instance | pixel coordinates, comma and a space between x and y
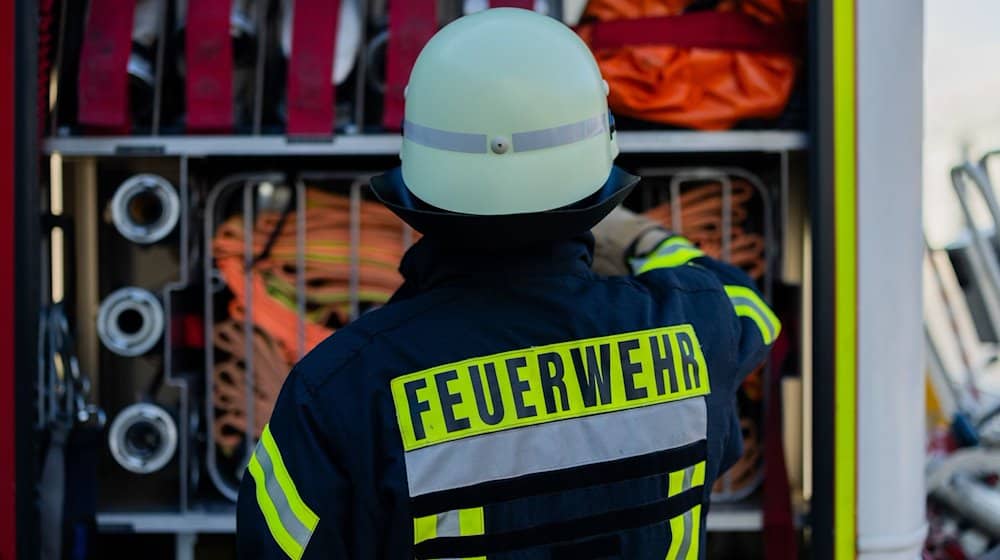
499, 145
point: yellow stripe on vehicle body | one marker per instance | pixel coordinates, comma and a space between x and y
845, 280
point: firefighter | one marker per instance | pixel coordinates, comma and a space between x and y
509, 401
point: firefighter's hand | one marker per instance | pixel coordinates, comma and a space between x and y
620, 236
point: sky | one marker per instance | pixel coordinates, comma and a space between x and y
961, 102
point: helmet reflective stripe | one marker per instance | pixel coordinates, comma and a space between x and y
560, 135
447, 140
471, 143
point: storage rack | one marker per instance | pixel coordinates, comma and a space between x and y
649, 142
778, 153
781, 150
871, 109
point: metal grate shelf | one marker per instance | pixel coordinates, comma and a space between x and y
388, 144
738, 517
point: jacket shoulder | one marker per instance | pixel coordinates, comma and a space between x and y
340, 350
690, 278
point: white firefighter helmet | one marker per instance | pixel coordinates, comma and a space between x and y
506, 113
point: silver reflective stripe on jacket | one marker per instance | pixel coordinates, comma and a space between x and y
581, 441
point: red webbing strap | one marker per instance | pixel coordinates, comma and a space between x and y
209, 60
46, 44
103, 80
780, 539
311, 93
708, 30
524, 4
411, 25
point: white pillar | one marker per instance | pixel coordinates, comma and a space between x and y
890, 383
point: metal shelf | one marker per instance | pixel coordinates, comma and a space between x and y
167, 522
388, 144
738, 517
746, 516
682, 141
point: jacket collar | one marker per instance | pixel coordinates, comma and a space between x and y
506, 229
432, 261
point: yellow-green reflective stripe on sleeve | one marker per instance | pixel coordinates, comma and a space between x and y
454, 523
672, 253
424, 528
285, 541
748, 304
471, 521
695, 514
685, 529
289, 519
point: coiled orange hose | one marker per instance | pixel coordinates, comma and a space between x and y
701, 223
326, 271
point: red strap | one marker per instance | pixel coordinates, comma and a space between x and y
103, 80
524, 4
188, 331
209, 60
708, 30
46, 42
311, 93
780, 539
411, 25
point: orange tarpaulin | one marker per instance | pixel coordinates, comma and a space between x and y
703, 88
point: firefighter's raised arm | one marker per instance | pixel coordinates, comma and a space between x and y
626, 243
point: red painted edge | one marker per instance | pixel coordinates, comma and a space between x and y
7, 464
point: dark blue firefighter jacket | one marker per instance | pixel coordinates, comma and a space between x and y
513, 405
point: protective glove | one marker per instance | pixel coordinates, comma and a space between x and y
620, 236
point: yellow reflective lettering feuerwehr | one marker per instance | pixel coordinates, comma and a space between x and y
547, 383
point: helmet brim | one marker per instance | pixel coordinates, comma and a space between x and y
502, 230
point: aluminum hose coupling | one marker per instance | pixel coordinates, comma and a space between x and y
145, 208
130, 321
143, 438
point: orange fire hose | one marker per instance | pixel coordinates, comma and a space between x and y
326, 271
701, 223
229, 388
745, 472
